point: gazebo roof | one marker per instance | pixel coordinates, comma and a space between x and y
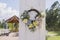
13, 19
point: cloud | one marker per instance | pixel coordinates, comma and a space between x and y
3, 5
7, 12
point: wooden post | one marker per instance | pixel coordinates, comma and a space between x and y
24, 32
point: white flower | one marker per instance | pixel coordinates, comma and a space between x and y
25, 20
43, 14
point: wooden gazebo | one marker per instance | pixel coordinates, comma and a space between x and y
14, 20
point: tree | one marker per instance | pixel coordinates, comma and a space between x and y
53, 17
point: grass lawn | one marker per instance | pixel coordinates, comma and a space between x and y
54, 38
57, 37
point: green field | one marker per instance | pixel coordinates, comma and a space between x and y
54, 38
57, 37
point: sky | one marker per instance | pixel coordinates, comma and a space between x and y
11, 3
50, 2
8, 8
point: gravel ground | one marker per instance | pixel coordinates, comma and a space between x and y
8, 38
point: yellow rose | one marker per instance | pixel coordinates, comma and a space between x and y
31, 25
25, 20
35, 23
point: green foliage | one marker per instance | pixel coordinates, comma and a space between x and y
54, 4
1, 25
53, 17
25, 15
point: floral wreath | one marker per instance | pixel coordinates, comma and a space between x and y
31, 24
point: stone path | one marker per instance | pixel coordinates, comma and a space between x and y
8, 38
51, 35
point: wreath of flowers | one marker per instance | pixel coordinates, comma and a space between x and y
31, 24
